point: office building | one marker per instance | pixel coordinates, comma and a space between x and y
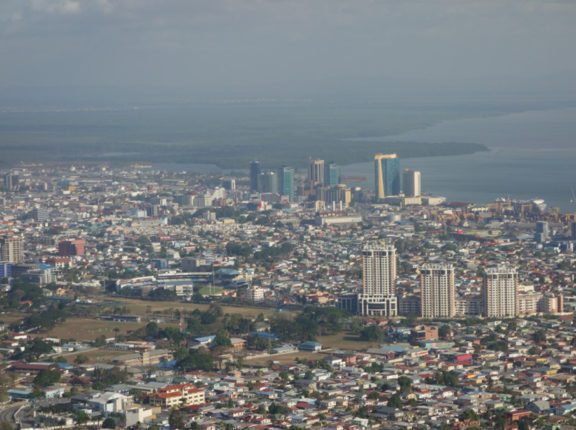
542, 232
412, 183
551, 304
286, 176
500, 292
469, 305
437, 291
316, 172
12, 249
5, 269
409, 306
386, 175
229, 184
10, 181
268, 182
378, 297
255, 171
69, 248
338, 196
331, 175
40, 214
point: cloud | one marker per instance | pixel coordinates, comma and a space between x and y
65, 7
206, 42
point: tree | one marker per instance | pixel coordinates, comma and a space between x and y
176, 420
276, 409
539, 336
5, 425
222, 338
162, 294
152, 329
405, 384
109, 423
46, 377
372, 333
469, 415
99, 341
395, 401
197, 359
81, 359
81, 417
34, 350
103, 378
444, 331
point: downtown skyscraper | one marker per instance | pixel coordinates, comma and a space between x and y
286, 176
255, 171
412, 183
386, 175
316, 172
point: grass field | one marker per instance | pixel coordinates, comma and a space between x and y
208, 291
90, 329
11, 317
285, 358
141, 307
100, 355
345, 341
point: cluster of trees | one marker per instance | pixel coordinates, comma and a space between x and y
46, 377
194, 359
310, 323
23, 292
34, 350
103, 378
372, 333
200, 323
45, 319
274, 253
495, 343
449, 379
162, 294
238, 249
266, 254
154, 331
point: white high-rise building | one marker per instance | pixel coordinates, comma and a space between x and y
12, 249
412, 183
378, 296
438, 291
500, 292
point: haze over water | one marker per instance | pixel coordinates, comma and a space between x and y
533, 154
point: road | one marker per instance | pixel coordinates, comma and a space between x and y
8, 412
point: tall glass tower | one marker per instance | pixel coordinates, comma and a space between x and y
255, 171
286, 175
386, 175
331, 174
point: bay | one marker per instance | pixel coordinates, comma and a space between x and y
532, 155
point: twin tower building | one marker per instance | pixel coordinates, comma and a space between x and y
390, 181
437, 288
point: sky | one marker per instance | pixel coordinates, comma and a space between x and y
284, 45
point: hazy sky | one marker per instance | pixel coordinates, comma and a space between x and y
211, 44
